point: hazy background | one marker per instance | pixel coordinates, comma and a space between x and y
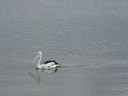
90, 37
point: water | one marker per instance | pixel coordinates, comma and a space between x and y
88, 37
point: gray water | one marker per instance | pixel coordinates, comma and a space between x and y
89, 38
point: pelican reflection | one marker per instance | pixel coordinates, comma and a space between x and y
37, 78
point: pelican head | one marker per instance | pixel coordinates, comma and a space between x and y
40, 52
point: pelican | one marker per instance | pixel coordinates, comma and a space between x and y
52, 64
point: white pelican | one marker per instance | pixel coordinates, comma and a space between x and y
45, 65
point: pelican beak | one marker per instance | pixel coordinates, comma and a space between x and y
36, 57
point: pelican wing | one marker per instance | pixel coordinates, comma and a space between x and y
50, 61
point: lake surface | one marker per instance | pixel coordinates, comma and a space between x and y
89, 38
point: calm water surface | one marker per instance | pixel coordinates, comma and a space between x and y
89, 38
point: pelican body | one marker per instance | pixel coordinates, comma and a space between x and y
45, 65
